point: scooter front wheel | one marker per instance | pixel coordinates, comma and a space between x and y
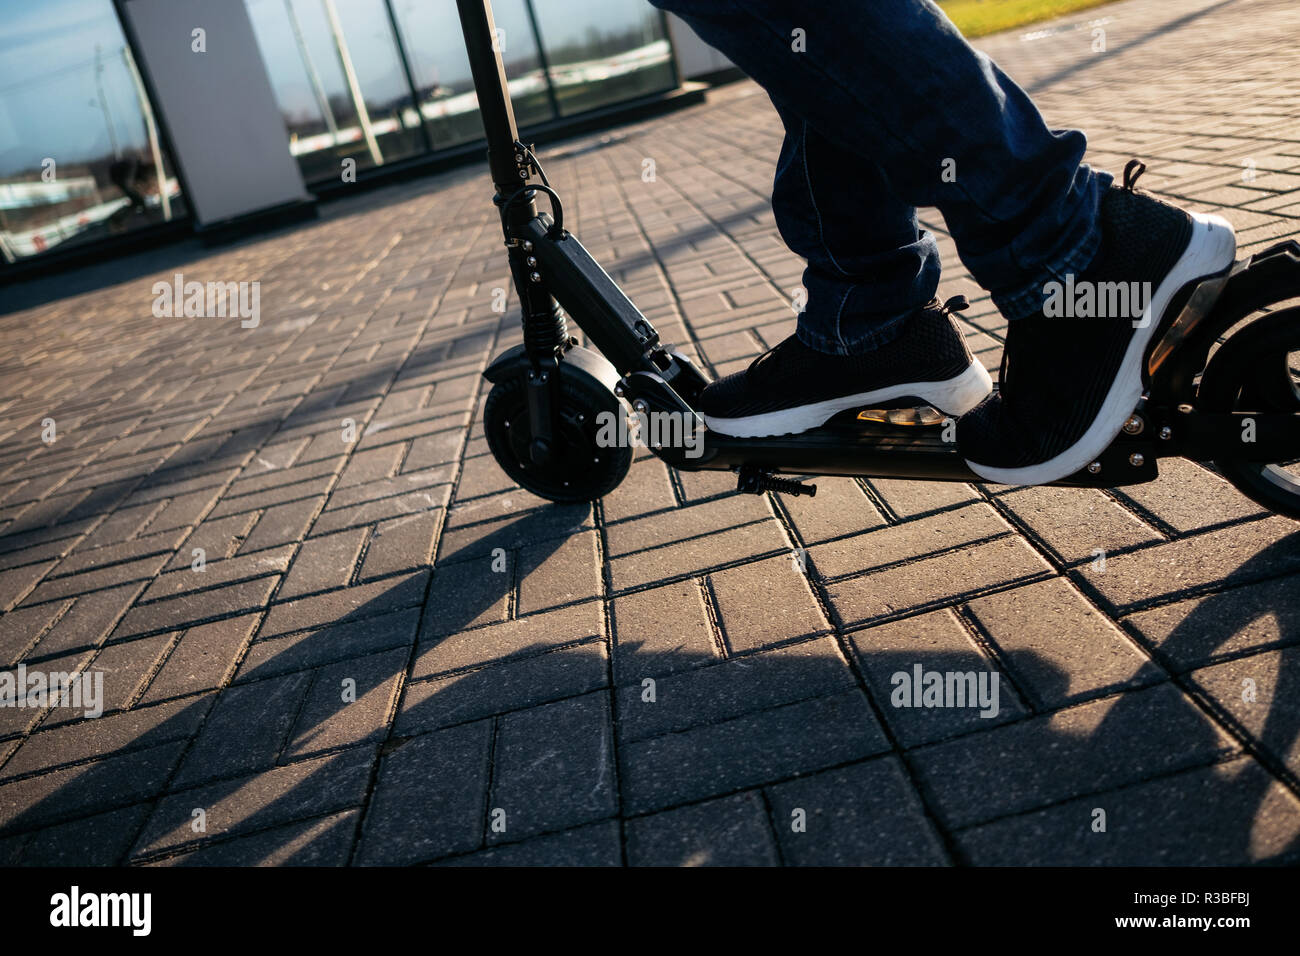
1257, 370
583, 463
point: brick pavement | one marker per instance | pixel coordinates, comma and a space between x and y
497, 648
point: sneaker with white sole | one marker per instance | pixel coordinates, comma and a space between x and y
794, 388
1072, 376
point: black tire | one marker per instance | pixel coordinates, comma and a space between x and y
1255, 371
579, 468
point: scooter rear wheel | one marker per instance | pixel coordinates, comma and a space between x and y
579, 467
1257, 370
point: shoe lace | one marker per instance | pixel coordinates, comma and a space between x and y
764, 361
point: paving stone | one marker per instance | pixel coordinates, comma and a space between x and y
1075, 522
326, 645
923, 536
1256, 692
1061, 649
367, 467
1095, 746
1226, 814
661, 631
888, 655
88, 621
557, 573
304, 789
469, 593
683, 524
646, 488
196, 607
323, 563
1196, 631
116, 781
402, 544
217, 573
698, 554
100, 737
499, 688
1187, 497
203, 659
839, 507
281, 524
217, 538
23, 627
462, 541
438, 654
935, 580
748, 750
88, 581
430, 501
739, 686
328, 719
100, 840
732, 831
83, 559
596, 844
51, 676
747, 624
129, 666
246, 730
553, 768
292, 505
865, 814
256, 478
1224, 557
429, 797
186, 509
345, 604
911, 499
323, 842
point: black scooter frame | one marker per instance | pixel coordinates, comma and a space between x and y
549, 264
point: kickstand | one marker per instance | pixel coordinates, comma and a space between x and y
753, 480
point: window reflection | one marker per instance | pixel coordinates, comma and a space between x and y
603, 51
338, 79
598, 51
440, 66
80, 157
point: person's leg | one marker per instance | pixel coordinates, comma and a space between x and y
869, 263
895, 82
871, 330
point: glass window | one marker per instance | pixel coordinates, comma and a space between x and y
603, 51
338, 79
440, 67
80, 157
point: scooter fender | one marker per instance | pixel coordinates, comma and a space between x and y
513, 363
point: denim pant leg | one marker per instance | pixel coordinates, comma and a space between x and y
895, 83
869, 264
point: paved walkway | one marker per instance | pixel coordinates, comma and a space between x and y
394, 656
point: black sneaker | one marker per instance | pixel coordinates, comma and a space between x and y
794, 388
1071, 377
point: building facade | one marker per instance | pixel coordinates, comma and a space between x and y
121, 117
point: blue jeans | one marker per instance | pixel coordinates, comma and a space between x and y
886, 108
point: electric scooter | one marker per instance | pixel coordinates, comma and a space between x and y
1239, 409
